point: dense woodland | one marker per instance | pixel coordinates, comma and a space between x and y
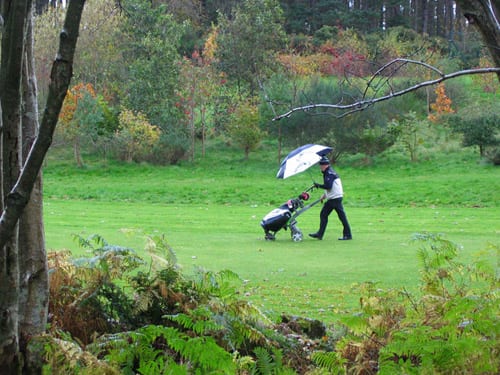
435, 18
153, 81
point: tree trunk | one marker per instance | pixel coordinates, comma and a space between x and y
203, 130
77, 153
60, 78
425, 16
33, 296
17, 184
484, 15
192, 129
10, 100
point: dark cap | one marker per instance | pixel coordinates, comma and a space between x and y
324, 161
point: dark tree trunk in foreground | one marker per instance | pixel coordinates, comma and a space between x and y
13, 38
33, 288
23, 271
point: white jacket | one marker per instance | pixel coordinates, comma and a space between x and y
332, 184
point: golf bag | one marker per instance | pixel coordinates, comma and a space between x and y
285, 216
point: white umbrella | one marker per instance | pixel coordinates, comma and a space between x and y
301, 159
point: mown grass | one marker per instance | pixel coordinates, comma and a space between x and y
210, 212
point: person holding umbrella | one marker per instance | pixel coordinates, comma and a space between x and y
333, 196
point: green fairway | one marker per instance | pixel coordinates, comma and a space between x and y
307, 278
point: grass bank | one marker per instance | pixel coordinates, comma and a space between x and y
442, 179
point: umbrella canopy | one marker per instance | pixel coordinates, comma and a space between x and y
301, 159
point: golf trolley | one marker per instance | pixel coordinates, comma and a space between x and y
285, 217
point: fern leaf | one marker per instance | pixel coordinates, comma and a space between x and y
264, 361
330, 361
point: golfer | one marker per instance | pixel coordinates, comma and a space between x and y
333, 196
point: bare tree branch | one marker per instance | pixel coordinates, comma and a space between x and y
398, 65
363, 103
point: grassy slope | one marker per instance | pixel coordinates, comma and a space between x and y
210, 212
455, 180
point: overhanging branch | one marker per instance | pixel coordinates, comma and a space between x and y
346, 109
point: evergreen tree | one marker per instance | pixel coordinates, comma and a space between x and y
249, 40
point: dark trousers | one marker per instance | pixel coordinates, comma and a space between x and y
328, 207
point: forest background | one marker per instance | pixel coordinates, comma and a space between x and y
154, 81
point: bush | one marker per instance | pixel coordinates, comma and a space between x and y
408, 131
136, 137
171, 148
480, 126
493, 155
244, 128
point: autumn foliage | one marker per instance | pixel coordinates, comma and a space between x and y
71, 126
70, 105
136, 136
442, 105
346, 55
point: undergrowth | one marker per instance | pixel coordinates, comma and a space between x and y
109, 315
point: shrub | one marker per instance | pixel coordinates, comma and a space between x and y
480, 126
84, 297
408, 132
154, 320
244, 128
136, 137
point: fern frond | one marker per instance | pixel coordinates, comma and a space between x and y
270, 363
244, 364
330, 361
200, 321
142, 302
357, 323
63, 356
208, 356
182, 319
223, 284
264, 361
203, 327
162, 254
249, 312
93, 242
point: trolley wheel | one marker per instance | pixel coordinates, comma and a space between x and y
270, 237
297, 236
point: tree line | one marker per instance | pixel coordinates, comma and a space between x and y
435, 18
192, 71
